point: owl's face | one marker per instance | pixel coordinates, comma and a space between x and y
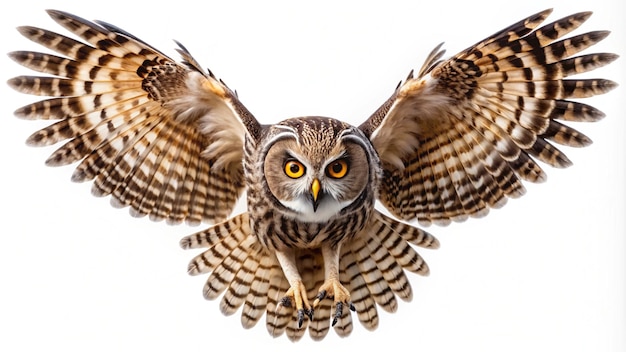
316, 171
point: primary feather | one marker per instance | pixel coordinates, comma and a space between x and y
173, 142
458, 139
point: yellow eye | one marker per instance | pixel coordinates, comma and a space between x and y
337, 169
294, 169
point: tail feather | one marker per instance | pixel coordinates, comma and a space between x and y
277, 317
220, 240
223, 275
239, 289
311, 267
344, 324
372, 267
390, 269
376, 284
395, 236
256, 301
363, 301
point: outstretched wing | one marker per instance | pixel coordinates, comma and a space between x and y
458, 138
162, 137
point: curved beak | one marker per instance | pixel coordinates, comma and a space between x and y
315, 191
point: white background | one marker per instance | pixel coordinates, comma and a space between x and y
546, 273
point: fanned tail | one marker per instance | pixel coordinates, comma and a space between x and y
372, 267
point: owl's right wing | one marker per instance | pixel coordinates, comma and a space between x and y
162, 137
457, 138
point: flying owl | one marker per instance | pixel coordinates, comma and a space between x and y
171, 141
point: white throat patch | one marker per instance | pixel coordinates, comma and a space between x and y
327, 208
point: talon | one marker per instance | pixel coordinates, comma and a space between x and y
296, 298
334, 290
302, 313
285, 302
300, 317
309, 313
320, 296
338, 313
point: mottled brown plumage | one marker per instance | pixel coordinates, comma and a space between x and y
173, 142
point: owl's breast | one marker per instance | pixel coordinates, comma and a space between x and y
310, 182
278, 227
276, 231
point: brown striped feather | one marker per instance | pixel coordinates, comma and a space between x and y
311, 267
239, 287
389, 267
256, 301
133, 118
277, 318
376, 284
506, 92
344, 325
350, 275
248, 278
166, 139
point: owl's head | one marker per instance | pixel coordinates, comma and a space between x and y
317, 166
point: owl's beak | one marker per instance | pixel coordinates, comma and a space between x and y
315, 190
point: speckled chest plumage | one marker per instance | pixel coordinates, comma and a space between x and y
277, 226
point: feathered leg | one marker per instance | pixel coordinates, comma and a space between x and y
332, 287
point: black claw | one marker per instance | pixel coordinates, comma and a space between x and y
285, 302
300, 317
301, 313
338, 313
352, 308
309, 313
321, 295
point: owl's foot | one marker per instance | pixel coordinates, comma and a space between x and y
296, 295
333, 289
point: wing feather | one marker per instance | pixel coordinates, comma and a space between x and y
164, 138
458, 138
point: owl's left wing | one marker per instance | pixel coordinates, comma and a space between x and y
162, 137
457, 138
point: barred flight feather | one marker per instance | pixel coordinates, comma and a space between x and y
119, 105
508, 91
174, 143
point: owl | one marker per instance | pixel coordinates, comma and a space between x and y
173, 142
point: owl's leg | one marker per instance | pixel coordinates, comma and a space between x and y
296, 295
332, 287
